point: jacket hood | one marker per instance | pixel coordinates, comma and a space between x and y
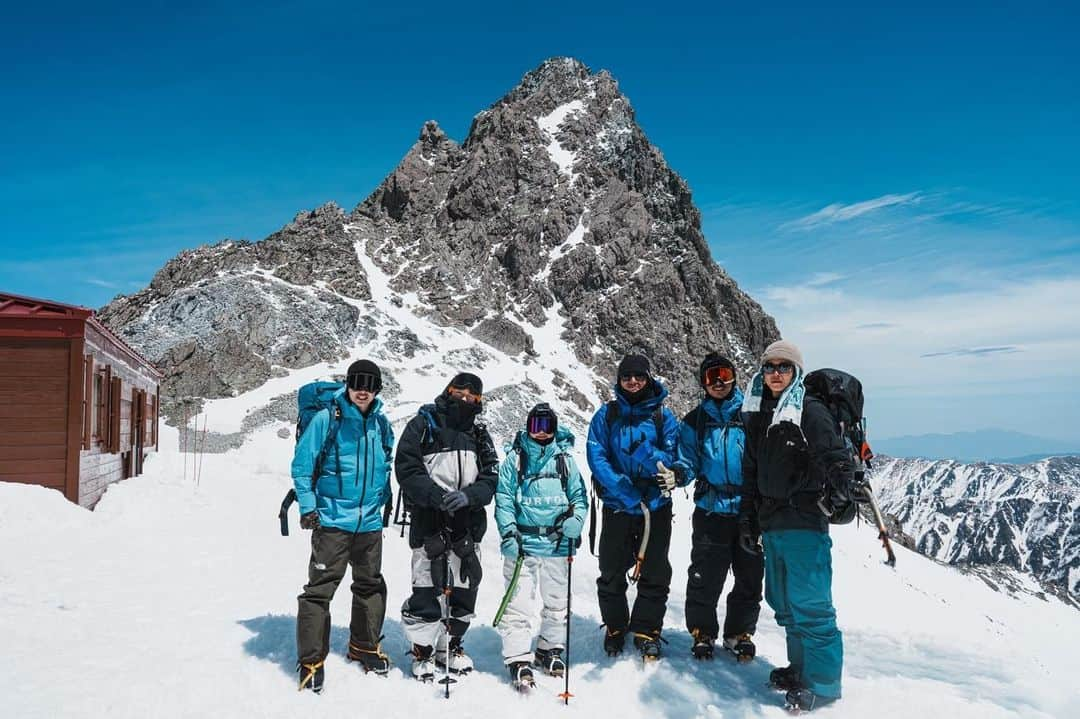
645, 406
724, 410
539, 454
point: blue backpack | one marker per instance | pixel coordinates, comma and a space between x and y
311, 399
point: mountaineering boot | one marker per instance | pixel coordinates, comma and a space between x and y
521, 676
550, 661
648, 645
742, 646
784, 678
459, 663
373, 660
703, 645
614, 639
798, 701
423, 665
310, 675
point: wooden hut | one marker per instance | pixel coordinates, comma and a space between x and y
78, 406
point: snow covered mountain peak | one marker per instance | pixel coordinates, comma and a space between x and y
556, 226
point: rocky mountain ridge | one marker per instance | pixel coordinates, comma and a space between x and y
555, 213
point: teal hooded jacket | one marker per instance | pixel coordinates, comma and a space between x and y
538, 500
354, 483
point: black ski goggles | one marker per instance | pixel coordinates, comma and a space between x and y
542, 424
780, 368
719, 375
363, 382
639, 376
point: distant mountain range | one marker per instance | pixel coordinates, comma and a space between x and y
984, 445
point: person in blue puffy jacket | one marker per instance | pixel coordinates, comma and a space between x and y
711, 442
345, 513
540, 505
632, 451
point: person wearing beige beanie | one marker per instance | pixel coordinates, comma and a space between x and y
791, 442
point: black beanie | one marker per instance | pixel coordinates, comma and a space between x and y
634, 364
366, 367
715, 359
469, 381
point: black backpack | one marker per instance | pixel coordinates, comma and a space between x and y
842, 394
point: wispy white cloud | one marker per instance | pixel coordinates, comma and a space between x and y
973, 351
838, 212
940, 360
102, 283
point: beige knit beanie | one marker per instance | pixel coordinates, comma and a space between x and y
783, 350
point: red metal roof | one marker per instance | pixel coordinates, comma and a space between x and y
28, 310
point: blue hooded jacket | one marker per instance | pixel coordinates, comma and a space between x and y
715, 460
352, 499
623, 460
540, 499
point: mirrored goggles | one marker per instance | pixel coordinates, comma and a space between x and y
719, 375
781, 368
363, 382
465, 395
542, 424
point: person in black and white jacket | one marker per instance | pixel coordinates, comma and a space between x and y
447, 468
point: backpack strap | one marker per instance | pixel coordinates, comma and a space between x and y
658, 424
331, 436
613, 412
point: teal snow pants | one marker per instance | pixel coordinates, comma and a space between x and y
798, 586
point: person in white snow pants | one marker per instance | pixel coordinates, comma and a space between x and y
540, 505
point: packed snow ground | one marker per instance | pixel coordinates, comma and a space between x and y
173, 599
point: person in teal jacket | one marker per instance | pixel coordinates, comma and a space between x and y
711, 443
540, 505
345, 512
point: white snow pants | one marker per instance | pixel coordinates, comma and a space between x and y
549, 574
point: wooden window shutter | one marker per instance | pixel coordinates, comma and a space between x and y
153, 419
88, 398
115, 403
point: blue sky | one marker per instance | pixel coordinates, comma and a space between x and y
899, 186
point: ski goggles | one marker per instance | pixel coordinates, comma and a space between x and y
542, 424
780, 368
464, 394
363, 382
719, 375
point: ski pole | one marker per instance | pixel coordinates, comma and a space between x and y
447, 591
565, 696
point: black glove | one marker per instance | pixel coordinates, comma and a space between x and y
748, 540
471, 572
435, 546
310, 520
453, 501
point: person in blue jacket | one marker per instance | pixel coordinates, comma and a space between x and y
345, 514
711, 442
632, 450
540, 505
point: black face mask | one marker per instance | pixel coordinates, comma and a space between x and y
459, 413
646, 392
